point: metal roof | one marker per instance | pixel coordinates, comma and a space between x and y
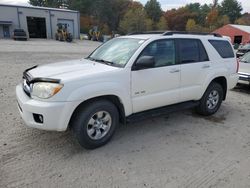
241, 27
37, 7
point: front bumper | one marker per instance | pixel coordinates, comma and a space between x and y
244, 76
56, 115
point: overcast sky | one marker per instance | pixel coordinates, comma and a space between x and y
166, 4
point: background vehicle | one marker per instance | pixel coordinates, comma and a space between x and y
95, 34
244, 70
243, 49
125, 78
19, 34
62, 33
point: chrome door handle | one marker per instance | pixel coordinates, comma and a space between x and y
174, 71
205, 66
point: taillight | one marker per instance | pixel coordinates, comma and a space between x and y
238, 65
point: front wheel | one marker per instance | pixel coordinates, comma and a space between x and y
94, 123
211, 100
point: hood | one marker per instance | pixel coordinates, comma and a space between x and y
69, 69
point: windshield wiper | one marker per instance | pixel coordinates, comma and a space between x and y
101, 61
104, 61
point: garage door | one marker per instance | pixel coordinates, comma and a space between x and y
36, 27
69, 23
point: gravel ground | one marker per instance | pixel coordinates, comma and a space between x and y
178, 150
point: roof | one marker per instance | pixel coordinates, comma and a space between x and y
37, 7
241, 27
5, 22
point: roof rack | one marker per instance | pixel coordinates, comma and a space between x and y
146, 32
189, 33
165, 33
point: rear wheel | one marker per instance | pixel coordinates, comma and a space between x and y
211, 100
94, 123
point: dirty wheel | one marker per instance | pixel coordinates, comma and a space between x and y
211, 100
94, 123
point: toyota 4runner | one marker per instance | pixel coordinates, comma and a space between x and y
125, 78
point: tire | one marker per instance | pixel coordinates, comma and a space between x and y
95, 123
211, 100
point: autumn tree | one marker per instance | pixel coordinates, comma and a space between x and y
191, 24
244, 20
177, 18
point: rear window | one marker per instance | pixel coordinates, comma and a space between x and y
223, 48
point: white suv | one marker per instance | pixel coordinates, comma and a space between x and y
125, 78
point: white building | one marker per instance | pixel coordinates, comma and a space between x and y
38, 22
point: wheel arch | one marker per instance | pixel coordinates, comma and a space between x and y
223, 82
112, 98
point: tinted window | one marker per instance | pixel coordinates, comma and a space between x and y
223, 48
163, 52
191, 51
203, 53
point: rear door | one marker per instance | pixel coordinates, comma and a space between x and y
195, 66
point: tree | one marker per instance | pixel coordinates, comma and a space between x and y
162, 24
50, 3
231, 8
134, 19
244, 20
40, 3
212, 18
190, 26
153, 10
177, 18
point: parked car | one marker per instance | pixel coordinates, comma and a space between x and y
244, 70
243, 49
19, 34
126, 78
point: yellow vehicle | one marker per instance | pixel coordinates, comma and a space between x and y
95, 34
62, 33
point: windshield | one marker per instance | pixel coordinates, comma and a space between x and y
116, 52
247, 46
246, 58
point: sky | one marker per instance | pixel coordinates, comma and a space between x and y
165, 4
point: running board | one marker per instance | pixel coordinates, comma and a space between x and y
161, 111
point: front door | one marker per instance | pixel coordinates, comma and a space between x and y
157, 86
6, 31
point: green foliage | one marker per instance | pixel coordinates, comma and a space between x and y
153, 10
134, 20
231, 8
162, 24
50, 3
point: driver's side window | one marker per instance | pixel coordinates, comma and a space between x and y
163, 52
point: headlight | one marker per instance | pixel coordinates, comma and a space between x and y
45, 90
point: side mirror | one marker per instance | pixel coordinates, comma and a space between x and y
144, 62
